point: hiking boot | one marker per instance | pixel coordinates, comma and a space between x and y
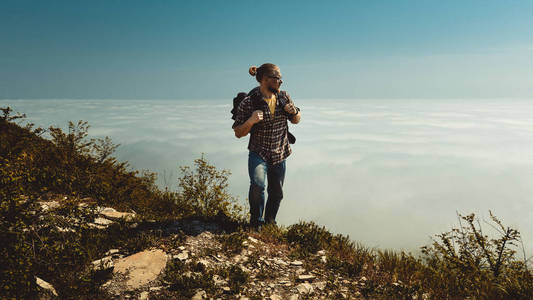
271, 222
256, 225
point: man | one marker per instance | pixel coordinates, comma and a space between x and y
261, 115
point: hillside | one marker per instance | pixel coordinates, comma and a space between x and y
78, 224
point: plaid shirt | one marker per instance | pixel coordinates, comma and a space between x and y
268, 138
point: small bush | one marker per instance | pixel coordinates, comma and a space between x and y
232, 242
184, 281
237, 278
309, 237
203, 191
467, 263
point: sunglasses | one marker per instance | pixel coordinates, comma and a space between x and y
275, 77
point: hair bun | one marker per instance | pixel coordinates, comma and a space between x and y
252, 70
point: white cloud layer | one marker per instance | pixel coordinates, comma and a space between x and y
390, 173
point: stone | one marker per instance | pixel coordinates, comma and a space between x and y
96, 226
83, 205
142, 267
144, 295
102, 221
280, 262
324, 259
219, 280
112, 213
204, 262
47, 205
304, 288
294, 297
296, 263
45, 285
181, 248
112, 252
321, 252
201, 294
307, 277
104, 263
182, 256
275, 297
321, 285
226, 289
61, 229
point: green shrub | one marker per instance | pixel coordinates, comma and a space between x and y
308, 236
467, 263
184, 282
204, 191
232, 242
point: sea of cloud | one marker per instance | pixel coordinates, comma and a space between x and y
391, 173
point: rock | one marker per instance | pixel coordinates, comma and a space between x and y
253, 240
182, 256
47, 205
304, 288
83, 205
218, 280
107, 283
112, 252
181, 248
102, 221
321, 285
294, 297
324, 259
226, 289
61, 229
141, 268
96, 226
201, 294
275, 297
112, 213
321, 253
306, 277
205, 263
45, 285
144, 295
103, 263
296, 263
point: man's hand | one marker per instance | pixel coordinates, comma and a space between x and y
290, 108
256, 117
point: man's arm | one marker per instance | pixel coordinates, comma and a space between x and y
244, 128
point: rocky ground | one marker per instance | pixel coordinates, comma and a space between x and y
196, 259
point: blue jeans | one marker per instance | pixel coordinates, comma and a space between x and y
257, 169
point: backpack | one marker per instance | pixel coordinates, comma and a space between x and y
256, 104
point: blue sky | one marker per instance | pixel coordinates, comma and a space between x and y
202, 49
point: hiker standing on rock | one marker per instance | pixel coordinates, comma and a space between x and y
263, 113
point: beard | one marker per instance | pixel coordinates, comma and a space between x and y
273, 90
